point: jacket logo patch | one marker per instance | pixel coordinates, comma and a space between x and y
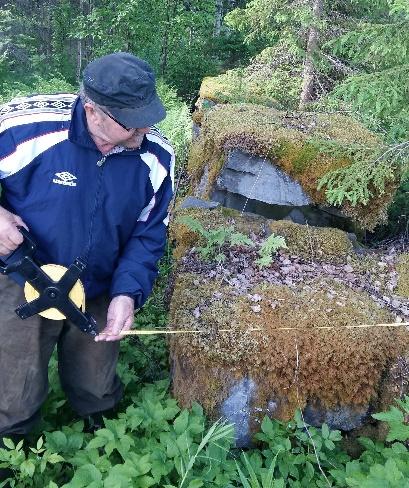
65, 178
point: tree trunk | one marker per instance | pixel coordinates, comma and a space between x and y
312, 45
171, 9
218, 18
165, 42
88, 42
164, 53
79, 59
79, 47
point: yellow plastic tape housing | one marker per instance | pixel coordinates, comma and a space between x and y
56, 272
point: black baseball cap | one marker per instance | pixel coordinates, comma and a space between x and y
125, 85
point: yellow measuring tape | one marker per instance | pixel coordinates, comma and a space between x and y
77, 295
181, 331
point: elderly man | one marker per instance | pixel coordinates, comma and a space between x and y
89, 177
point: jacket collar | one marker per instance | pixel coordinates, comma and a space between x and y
78, 131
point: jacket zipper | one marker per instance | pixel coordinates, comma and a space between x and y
101, 166
102, 161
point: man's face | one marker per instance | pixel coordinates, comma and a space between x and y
110, 131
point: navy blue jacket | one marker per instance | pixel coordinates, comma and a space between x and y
112, 211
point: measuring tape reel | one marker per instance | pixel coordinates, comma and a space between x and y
52, 291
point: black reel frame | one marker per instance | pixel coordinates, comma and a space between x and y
53, 294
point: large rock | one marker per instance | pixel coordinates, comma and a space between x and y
253, 158
237, 409
340, 417
193, 202
254, 184
276, 338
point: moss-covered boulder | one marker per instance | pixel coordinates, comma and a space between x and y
290, 334
305, 146
314, 243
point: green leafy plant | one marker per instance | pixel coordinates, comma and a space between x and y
154, 443
304, 454
177, 126
360, 181
30, 467
376, 47
369, 173
269, 247
397, 420
357, 183
218, 431
267, 477
381, 464
215, 239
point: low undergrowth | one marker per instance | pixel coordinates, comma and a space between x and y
152, 442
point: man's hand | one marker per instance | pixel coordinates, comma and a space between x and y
120, 317
10, 236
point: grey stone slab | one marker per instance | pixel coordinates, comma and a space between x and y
193, 202
236, 410
297, 216
310, 214
259, 179
195, 131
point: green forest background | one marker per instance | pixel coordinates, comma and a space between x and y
349, 56
360, 54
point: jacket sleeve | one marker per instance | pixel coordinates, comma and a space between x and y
7, 150
137, 266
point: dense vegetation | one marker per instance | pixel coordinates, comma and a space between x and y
345, 55
154, 443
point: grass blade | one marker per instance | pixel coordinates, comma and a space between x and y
243, 480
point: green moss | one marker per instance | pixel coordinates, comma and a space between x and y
306, 146
235, 87
185, 238
403, 275
197, 117
302, 160
353, 359
314, 243
394, 384
207, 364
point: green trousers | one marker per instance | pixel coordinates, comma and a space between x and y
87, 369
